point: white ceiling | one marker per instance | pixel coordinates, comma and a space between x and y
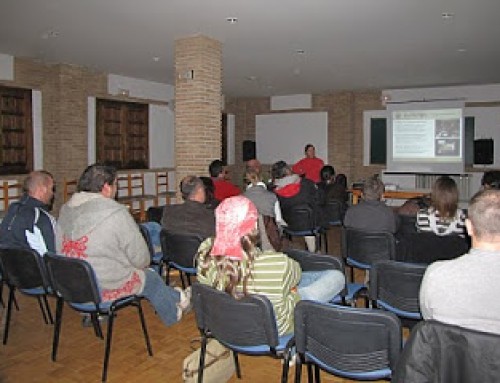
348, 44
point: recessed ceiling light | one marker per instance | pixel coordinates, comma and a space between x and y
232, 20
300, 51
447, 15
156, 59
251, 78
461, 50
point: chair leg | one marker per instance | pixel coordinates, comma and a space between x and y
9, 312
47, 309
286, 367
167, 275
316, 374
237, 364
298, 369
188, 279
39, 299
96, 325
1, 294
203, 351
57, 327
310, 376
144, 328
107, 351
181, 276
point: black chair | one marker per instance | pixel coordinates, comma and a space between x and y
301, 222
317, 262
74, 281
359, 344
151, 233
245, 326
179, 252
438, 352
395, 286
24, 270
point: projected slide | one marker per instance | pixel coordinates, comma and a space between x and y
427, 135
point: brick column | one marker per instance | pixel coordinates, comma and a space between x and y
198, 89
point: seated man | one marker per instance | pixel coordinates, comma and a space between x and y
28, 224
94, 227
223, 187
372, 214
459, 291
193, 216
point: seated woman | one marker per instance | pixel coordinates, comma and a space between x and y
332, 188
443, 217
234, 263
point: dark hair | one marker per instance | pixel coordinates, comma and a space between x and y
491, 179
189, 185
94, 177
210, 200
216, 167
307, 147
327, 173
280, 169
341, 179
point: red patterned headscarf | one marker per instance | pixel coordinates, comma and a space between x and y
234, 218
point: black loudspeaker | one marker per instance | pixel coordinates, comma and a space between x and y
249, 151
483, 151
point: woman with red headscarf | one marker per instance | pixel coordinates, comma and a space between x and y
234, 263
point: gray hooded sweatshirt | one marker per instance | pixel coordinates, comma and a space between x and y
102, 232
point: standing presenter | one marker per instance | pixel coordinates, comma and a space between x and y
309, 166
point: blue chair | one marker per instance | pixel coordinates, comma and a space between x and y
358, 344
245, 326
151, 234
395, 286
24, 270
179, 252
73, 281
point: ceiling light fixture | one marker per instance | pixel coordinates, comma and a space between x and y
251, 78
50, 34
300, 51
447, 15
232, 20
156, 59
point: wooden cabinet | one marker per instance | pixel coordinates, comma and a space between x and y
16, 131
122, 134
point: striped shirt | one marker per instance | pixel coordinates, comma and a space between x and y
429, 220
274, 275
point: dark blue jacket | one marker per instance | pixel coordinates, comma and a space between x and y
27, 218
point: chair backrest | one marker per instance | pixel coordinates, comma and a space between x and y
367, 247
69, 188
180, 248
130, 185
334, 212
10, 191
317, 262
438, 352
23, 268
161, 181
72, 279
396, 286
300, 218
151, 234
348, 340
249, 321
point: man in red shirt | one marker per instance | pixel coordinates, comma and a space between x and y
310, 166
220, 175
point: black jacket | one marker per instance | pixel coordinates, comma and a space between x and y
20, 219
441, 353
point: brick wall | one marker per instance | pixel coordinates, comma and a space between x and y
197, 104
